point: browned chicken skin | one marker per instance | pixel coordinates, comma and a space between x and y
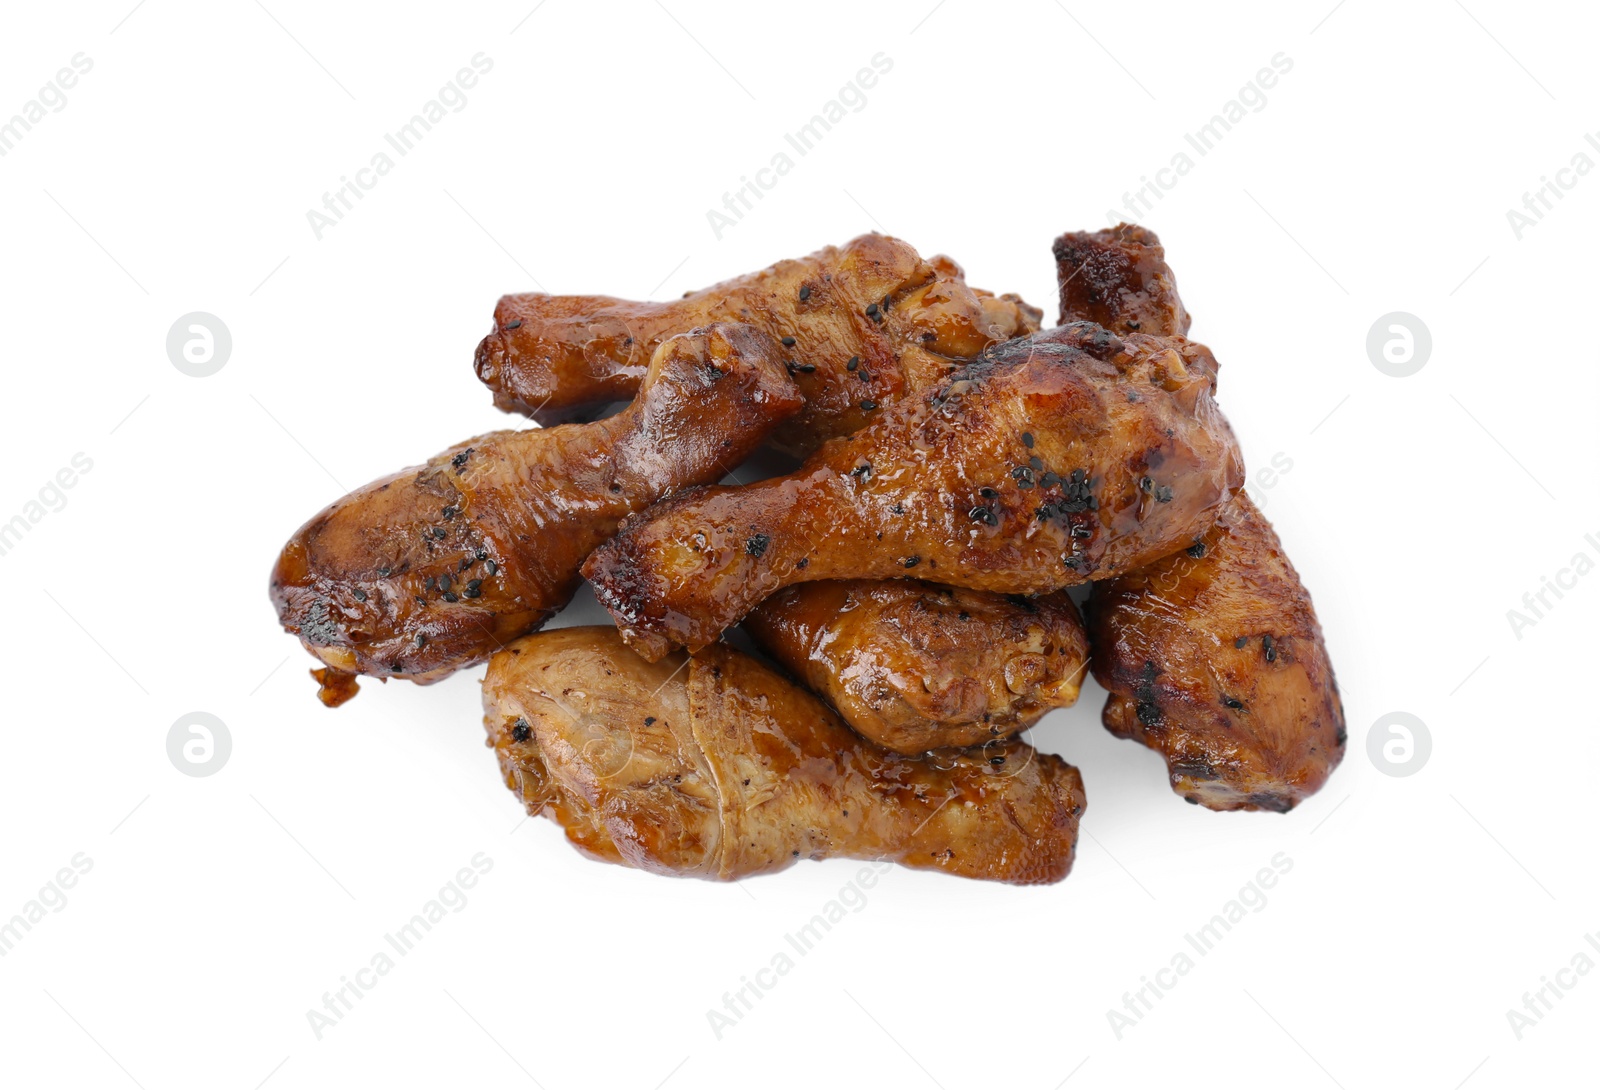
1212, 656
1049, 461
868, 322
913, 666
435, 567
724, 769
574, 350
1119, 278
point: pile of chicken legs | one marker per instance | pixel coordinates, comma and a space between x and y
960, 470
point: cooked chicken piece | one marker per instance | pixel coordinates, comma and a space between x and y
1049, 461
866, 323
725, 769
1214, 658
1251, 725
913, 666
433, 568
1119, 278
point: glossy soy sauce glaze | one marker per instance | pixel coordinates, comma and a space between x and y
435, 567
865, 323
1119, 278
1212, 656
1047, 462
914, 666
717, 767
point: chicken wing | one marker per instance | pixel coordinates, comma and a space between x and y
725, 769
1049, 461
433, 568
913, 666
1212, 656
865, 323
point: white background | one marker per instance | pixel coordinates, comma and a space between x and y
218, 910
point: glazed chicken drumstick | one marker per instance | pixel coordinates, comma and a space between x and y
913, 666
1049, 461
903, 667
719, 768
435, 567
862, 324
1212, 656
